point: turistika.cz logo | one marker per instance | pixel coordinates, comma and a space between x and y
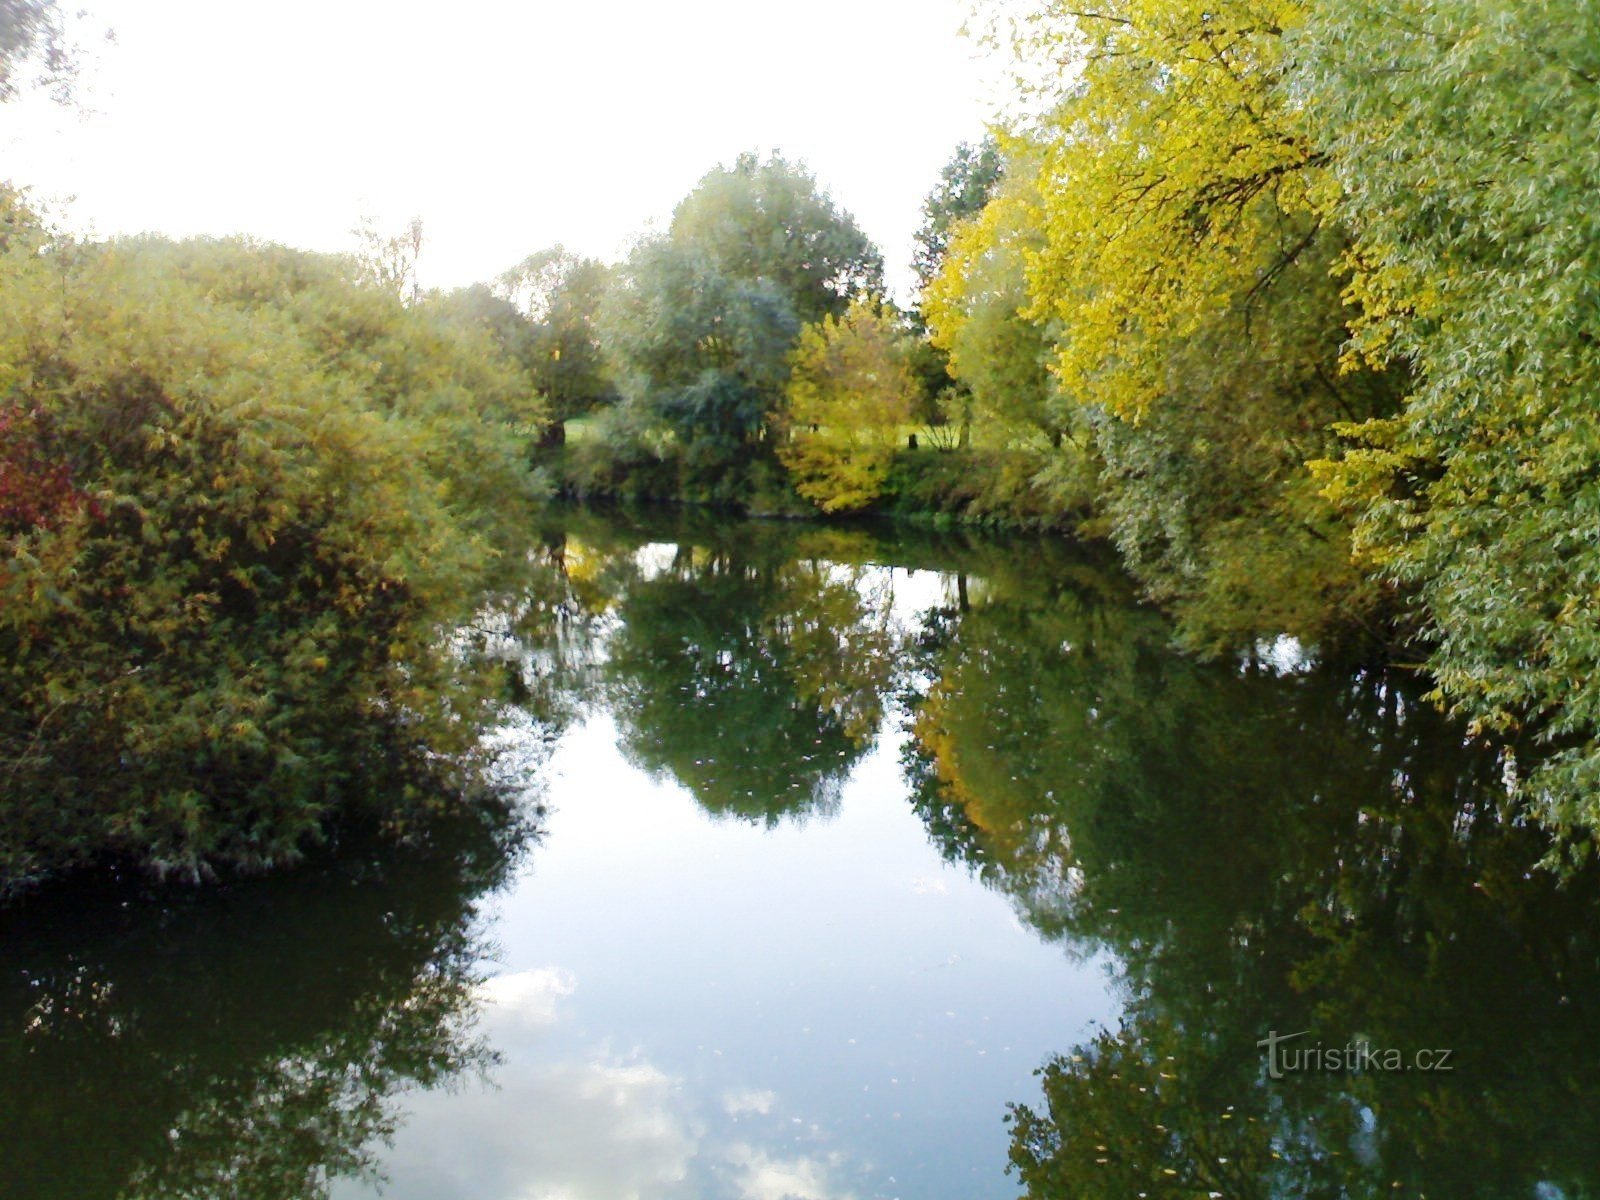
1286, 1054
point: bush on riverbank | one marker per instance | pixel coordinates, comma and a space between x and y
245, 500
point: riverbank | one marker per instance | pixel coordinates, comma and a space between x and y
995, 489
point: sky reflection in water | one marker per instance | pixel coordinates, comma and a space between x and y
697, 1006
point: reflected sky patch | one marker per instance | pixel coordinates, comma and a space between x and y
688, 1005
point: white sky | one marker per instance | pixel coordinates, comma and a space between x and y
505, 126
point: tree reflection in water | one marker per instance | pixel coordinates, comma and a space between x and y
1256, 849
1313, 850
248, 1040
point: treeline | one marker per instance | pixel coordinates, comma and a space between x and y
1317, 286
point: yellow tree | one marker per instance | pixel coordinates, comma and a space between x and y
1176, 179
850, 390
976, 304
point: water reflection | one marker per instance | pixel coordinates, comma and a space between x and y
247, 1041
1311, 852
706, 990
752, 677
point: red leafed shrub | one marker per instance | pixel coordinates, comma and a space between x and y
35, 489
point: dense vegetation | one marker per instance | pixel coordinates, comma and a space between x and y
246, 502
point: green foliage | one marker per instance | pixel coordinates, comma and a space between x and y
702, 354
976, 304
980, 486
850, 392
966, 184
700, 322
284, 490
1208, 496
1462, 136
769, 221
561, 294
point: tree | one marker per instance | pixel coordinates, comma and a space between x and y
561, 295
1181, 250
1175, 179
389, 261
702, 353
32, 37
966, 184
769, 221
975, 302
701, 320
480, 309
1462, 137
850, 391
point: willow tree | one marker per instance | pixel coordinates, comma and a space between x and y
1462, 135
1180, 178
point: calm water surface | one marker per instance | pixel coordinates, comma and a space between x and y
863, 863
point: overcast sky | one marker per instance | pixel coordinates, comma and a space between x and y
505, 126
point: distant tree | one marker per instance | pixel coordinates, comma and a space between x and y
561, 293
698, 351
850, 391
701, 321
479, 307
390, 260
965, 185
975, 305
769, 221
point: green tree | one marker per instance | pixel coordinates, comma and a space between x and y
1461, 136
479, 309
561, 295
701, 321
966, 184
976, 301
768, 220
699, 353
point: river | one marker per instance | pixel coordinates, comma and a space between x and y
850, 863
